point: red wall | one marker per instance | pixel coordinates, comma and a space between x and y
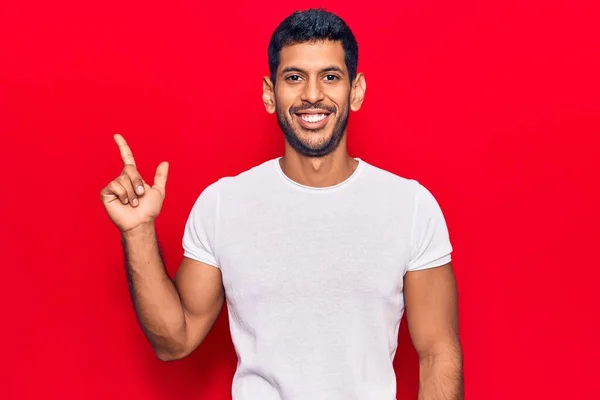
494, 107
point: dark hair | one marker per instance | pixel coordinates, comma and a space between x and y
313, 25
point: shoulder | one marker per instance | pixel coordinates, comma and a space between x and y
250, 179
408, 191
380, 178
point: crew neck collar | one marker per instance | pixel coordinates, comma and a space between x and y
347, 181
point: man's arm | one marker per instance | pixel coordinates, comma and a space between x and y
432, 316
175, 315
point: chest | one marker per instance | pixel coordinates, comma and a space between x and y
289, 254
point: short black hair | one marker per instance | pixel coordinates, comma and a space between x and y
313, 25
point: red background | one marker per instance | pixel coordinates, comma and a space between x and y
494, 106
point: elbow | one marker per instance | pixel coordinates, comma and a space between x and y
442, 352
166, 354
166, 357
169, 356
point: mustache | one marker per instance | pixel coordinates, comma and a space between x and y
308, 106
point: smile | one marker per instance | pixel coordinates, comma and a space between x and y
313, 117
313, 120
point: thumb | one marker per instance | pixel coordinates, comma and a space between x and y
160, 178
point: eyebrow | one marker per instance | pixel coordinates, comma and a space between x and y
331, 68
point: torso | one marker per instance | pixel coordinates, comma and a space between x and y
313, 281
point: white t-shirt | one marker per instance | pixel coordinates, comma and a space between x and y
313, 277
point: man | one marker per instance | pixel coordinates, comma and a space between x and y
317, 253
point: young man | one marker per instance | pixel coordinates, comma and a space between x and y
317, 253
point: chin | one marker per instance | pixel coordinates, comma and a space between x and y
306, 145
314, 143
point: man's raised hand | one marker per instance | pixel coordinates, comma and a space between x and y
129, 201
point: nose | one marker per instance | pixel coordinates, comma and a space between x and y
312, 92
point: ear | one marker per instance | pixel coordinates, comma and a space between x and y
268, 95
357, 93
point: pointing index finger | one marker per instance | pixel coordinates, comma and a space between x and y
126, 154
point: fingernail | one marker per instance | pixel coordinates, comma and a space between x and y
134, 202
140, 189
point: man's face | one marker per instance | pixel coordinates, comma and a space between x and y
312, 96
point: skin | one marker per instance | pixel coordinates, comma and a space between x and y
176, 315
432, 315
314, 75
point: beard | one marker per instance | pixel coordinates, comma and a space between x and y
304, 147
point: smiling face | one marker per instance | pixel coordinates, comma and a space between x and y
313, 95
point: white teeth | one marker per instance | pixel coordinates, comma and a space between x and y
313, 117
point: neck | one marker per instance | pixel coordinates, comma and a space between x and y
329, 170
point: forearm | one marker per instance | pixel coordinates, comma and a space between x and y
154, 295
441, 376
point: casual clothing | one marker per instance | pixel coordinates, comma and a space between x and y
314, 276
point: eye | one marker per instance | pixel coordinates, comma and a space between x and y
293, 78
331, 77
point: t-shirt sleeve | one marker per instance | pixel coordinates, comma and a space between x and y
200, 229
430, 242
